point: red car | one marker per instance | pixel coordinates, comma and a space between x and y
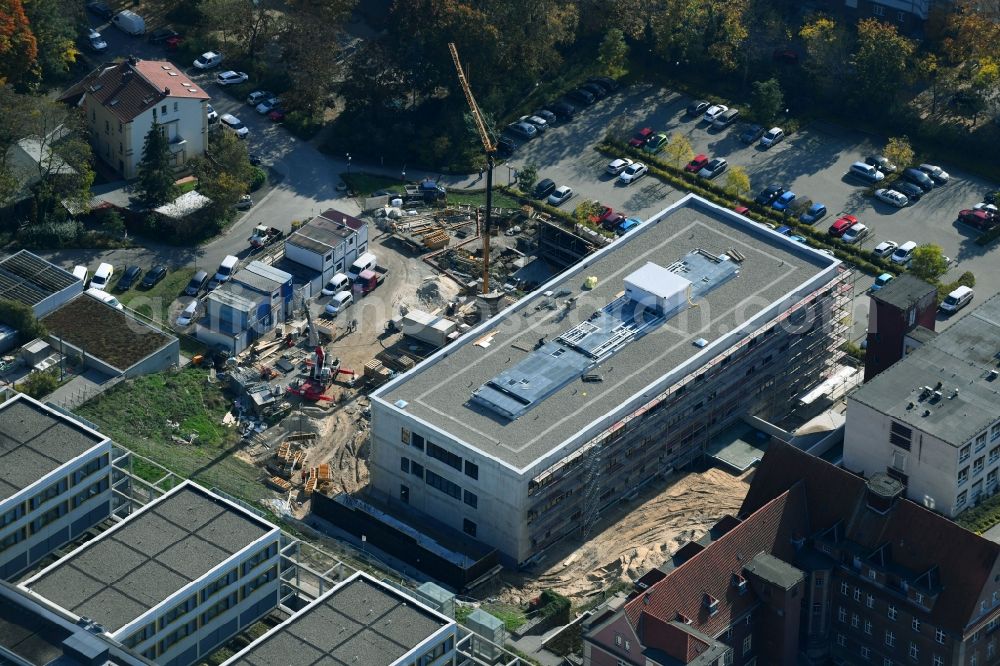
741, 210
641, 137
604, 213
173, 42
697, 164
277, 115
840, 227
980, 219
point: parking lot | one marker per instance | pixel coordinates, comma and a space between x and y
812, 163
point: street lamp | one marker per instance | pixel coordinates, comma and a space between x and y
404, 176
510, 175
348, 164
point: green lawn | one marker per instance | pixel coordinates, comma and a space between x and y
136, 413
512, 616
156, 302
363, 184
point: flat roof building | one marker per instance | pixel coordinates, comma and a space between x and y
932, 420
35, 282
55, 482
523, 429
360, 621
328, 243
174, 580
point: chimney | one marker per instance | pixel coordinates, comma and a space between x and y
882, 492
166, 91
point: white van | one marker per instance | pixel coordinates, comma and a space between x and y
365, 262
338, 282
866, 172
102, 277
957, 300
187, 314
340, 301
904, 253
81, 273
129, 22
226, 268
105, 297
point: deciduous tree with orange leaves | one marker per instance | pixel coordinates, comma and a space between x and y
18, 48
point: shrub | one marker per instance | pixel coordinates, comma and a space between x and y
257, 179
39, 384
22, 319
302, 125
50, 235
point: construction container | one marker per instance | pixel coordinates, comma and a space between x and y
437, 598
423, 326
485, 626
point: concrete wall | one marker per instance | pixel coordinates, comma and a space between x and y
161, 359
53, 302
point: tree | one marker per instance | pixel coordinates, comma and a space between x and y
678, 150
585, 210
767, 100
53, 23
526, 177
613, 54
156, 174
251, 24
899, 152
737, 181
827, 47
969, 103
881, 59
18, 46
22, 319
113, 223
313, 62
39, 383
928, 262
226, 176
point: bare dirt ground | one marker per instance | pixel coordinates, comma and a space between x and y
633, 537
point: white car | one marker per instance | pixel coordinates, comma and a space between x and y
234, 124
989, 208
773, 136
615, 167
540, 123
208, 60
897, 199
268, 105
187, 314
633, 173
211, 113
885, 249
855, 233
102, 277
560, 196
937, 174
231, 78
714, 112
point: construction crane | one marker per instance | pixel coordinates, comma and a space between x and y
490, 149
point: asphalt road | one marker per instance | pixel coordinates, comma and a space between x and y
812, 162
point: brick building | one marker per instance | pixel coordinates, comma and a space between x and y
821, 566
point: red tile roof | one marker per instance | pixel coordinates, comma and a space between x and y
671, 638
919, 539
770, 530
128, 89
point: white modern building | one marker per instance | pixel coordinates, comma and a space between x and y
28, 279
932, 420
55, 482
122, 101
360, 621
521, 431
174, 580
256, 300
328, 243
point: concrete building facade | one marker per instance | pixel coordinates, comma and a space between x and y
256, 300
122, 101
901, 312
521, 431
56, 482
932, 420
173, 581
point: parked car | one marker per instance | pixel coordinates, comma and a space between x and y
268, 105
231, 78
957, 300
813, 214
697, 107
197, 283
856, 233
597, 91
769, 194
713, 168
505, 145
560, 196
258, 96
278, 115
632, 173
988, 207
726, 119
641, 137
912, 192
547, 115
751, 134
881, 162
235, 125
741, 210
562, 110
980, 219
865, 172
100, 9
102, 277
128, 278
208, 60
538, 122
627, 225
609, 84
161, 35
153, 277
881, 281
885, 249
903, 253
892, 197
187, 315
211, 114
918, 178
604, 216
773, 136
129, 22
616, 166
95, 41
840, 227
714, 112
697, 164
582, 97
544, 188
656, 143
523, 130
937, 174
245, 203
783, 202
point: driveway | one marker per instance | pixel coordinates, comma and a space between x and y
812, 162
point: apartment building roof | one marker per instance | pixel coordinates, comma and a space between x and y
361, 621
904, 292
29, 279
133, 567
956, 565
324, 232
948, 387
36, 440
774, 274
131, 87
